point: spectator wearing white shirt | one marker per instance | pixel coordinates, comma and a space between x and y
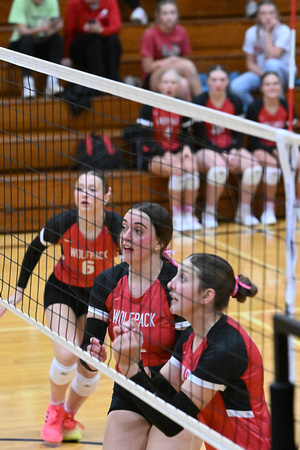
267, 46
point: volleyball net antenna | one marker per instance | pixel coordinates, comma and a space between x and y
38, 173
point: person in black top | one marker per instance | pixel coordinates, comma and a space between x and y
137, 288
167, 152
271, 109
88, 236
216, 372
222, 150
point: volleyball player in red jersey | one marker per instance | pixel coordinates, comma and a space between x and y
88, 236
216, 371
271, 109
221, 151
166, 153
137, 288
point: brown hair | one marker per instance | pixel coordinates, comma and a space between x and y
97, 174
160, 219
216, 273
217, 67
163, 3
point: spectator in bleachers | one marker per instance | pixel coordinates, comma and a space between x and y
272, 110
92, 43
167, 154
267, 46
37, 23
165, 45
221, 151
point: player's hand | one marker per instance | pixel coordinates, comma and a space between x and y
127, 347
97, 350
14, 299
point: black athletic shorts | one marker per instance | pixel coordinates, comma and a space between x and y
58, 292
122, 399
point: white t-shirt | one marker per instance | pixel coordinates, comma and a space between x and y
254, 43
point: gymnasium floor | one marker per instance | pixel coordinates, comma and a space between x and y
26, 353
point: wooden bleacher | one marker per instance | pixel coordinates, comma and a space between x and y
39, 137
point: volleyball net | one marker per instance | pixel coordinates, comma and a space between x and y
40, 137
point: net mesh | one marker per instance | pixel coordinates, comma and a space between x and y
39, 141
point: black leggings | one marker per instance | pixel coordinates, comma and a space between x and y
48, 48
97, 54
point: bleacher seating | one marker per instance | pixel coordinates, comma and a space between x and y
28, 140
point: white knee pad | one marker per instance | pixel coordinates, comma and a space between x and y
271, 175
217, 175
191, 181
176, 183
61, 374
85, 386
252, 175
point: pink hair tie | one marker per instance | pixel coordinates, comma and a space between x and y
168, 253
239, 283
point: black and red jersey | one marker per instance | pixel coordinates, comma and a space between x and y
214, 136
228, 361
258, 113
111, 299
166, 127
81, 259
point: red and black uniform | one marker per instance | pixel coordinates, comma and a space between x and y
95, 53
110, 298
258, 113
229, 362
159, 132
81, 260
216, 137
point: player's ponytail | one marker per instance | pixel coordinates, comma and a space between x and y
243, 288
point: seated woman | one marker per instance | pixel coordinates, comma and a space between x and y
166, 45
222, 150
216, 372
36, 33
270, 109
92, 43
267, 47
166, 153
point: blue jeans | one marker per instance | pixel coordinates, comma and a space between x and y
243, 85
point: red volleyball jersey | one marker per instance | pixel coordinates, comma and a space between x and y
258, 113
229, 362
111, 299
81, 259
216, 136
166, 127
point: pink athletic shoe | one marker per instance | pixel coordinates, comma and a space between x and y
52, 430
71, 431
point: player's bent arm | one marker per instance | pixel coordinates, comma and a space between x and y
180, 400
172, 373
94, 331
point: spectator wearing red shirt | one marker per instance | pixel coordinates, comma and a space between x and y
91, 37
271, 110
165, 45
